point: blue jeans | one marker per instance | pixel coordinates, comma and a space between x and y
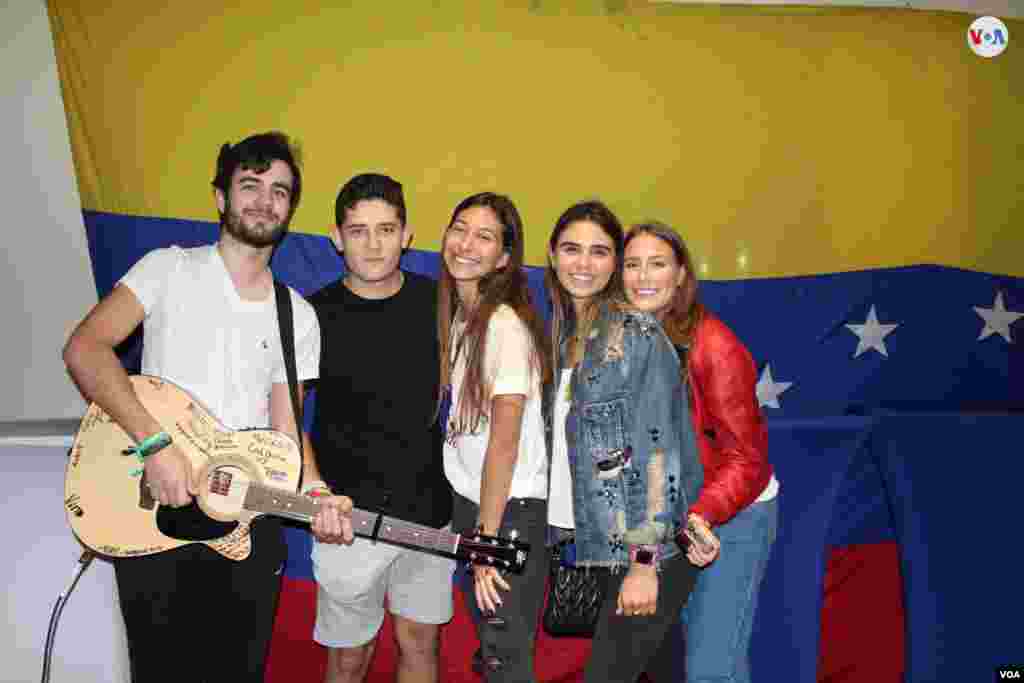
719, 616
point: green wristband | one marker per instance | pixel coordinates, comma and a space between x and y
151, 444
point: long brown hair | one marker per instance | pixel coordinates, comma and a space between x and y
506, 285
563, 313
685, 309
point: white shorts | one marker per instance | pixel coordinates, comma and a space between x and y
352, 582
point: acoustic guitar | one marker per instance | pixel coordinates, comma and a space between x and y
242, 474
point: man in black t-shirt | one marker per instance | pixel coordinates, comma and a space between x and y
376, 439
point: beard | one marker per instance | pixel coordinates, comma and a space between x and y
263, 230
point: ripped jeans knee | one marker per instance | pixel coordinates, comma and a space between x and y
505, 653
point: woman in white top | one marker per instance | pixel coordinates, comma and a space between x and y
493, 360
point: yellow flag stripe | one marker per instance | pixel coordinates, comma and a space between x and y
779, 142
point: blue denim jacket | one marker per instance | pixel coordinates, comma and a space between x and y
632, 451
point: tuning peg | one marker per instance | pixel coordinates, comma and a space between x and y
513, 535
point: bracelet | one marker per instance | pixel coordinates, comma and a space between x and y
478, 532
150, 445
316, 489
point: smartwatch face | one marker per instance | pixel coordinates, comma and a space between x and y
644, 556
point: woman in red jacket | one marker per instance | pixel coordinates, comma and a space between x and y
739, 498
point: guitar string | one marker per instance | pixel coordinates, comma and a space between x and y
393, 528
397, 530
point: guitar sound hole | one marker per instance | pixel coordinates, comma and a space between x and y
190, 523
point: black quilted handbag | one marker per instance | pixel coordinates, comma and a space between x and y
575, 596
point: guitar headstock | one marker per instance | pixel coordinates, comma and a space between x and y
507, 554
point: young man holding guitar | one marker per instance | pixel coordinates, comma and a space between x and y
377, 439
211, 327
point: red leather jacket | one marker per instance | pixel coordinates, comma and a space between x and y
731, 431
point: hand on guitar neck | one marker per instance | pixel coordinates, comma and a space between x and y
333, 521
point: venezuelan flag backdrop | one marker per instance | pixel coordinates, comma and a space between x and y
850, 180
780, 141
837, 172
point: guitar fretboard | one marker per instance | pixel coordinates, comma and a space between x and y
264, 499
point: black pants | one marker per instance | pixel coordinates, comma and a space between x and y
193, 615
624, 647
507, 637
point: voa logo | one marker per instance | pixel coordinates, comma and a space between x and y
1009, 674
987, 36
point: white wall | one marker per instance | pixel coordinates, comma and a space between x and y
46, 282
40, 555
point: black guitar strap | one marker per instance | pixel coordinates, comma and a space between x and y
287, 325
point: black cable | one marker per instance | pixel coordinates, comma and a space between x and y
51, 632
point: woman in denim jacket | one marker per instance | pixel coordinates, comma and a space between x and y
625, 467
740, 493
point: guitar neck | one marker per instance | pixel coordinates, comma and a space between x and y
265, 500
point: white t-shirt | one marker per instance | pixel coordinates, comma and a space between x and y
202, 336
560, 505
770, 491
509, 370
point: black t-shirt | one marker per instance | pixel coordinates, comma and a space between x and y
374, 431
